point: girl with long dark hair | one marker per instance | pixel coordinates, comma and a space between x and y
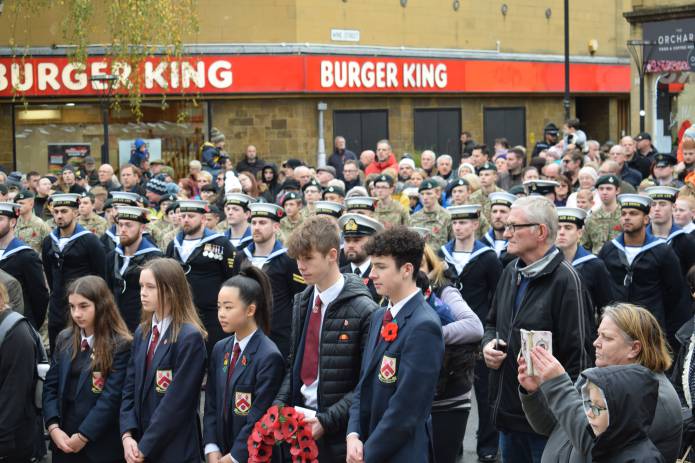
82, 392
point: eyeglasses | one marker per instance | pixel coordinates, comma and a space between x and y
513, 227
594, 409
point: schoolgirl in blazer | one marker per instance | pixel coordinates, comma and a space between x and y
159, 412
82, 391
245, 370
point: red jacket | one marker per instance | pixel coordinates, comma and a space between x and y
377, 167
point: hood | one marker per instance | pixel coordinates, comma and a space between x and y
631, 393
139, 143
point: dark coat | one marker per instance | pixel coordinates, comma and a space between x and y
683, 244
653, 281
24, 264
555, 300
631, 393
285, 281
124, 283
392, 402
256, 378
365, 279
97, 408
343, 337
337, 160
82, 255
477, 280
164, 419
595, 277
19, 430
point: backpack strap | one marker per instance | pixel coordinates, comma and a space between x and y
11, 320
8, 323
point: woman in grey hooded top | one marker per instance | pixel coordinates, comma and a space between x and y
553, 405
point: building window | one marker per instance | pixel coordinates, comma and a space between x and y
49, 136
361, 129
439, 130
509, 123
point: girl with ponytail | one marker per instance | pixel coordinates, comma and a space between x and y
245, 370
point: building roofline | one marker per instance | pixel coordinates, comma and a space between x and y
330, 49
642, 15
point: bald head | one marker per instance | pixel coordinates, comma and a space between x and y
367, 157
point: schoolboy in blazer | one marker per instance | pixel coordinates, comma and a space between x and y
390, 411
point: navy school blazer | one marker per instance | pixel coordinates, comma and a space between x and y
97, 401
160, 404
392, 402
254, 383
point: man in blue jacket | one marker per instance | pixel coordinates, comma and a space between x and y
389, 415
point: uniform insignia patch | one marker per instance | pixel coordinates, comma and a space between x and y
242, 403
98, 382
163, 380
387, 371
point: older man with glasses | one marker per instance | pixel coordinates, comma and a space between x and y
537, 291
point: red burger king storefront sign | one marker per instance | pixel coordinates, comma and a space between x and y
259, 74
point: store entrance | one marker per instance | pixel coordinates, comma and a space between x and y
50, 135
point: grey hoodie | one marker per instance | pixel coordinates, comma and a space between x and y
570, 437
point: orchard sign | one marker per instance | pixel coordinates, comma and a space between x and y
263, 74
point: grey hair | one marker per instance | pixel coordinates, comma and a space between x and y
384, 142
539, 209
445, 156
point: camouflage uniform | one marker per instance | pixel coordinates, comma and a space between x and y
482, 198
32, 231
158, 229
483, 227
392, 214
168, 237
438, 222
600, 227
308, 211
287, 226
94, 224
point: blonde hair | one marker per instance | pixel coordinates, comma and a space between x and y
638, 324
436, 267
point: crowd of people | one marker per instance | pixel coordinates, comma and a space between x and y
376, 294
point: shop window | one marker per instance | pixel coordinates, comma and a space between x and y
509, 123
439, 130
361, 129
48, 136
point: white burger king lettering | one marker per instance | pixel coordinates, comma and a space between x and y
382, 74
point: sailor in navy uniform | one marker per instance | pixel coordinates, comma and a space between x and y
208, 259
644, 269
474, 269
356, 230
110, 238
500, 207
590, 268
124, 263
361, 205
236, 209
69, 252
19, 260
335, 210
662, 226
267, 253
